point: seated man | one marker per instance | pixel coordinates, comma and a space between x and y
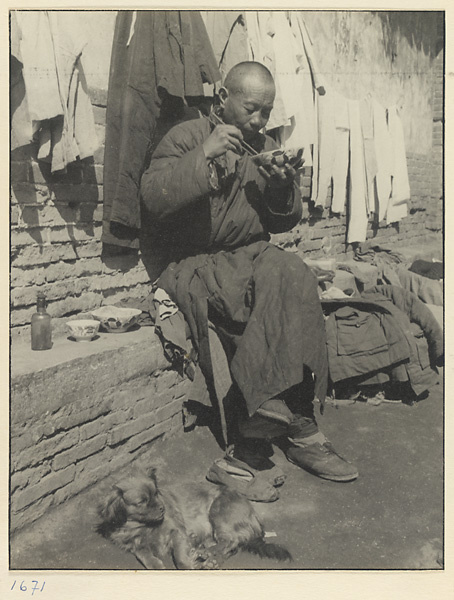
216, 209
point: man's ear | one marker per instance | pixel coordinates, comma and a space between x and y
223, 94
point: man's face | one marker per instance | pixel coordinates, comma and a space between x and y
250, 108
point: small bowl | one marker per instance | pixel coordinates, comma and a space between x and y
116, 319
83, 330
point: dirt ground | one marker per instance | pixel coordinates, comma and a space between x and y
391, 517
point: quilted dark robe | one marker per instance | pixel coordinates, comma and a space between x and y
264, 298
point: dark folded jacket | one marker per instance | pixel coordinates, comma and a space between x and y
387, 329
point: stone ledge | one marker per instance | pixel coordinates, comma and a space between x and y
74, 418
43, 381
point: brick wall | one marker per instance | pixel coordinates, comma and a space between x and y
435, 207
56, 227
55, 239
76, 422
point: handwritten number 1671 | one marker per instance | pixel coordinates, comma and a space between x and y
23, 587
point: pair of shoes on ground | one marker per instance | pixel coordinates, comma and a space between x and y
256, 477
318, 458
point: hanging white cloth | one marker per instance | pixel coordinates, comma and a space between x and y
383, 153
367, 128
58, 102
21, 124
260, 32
318, 79
358, 217
400, 187
228, 36
326, 141
341, 153
301, 130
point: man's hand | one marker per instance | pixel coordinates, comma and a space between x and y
280, 177
222, 138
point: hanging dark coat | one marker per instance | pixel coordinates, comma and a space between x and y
159, 59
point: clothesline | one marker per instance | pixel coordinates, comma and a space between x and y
355, 147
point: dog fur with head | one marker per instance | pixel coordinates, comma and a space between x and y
197, 525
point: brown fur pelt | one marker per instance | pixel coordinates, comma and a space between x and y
197, 525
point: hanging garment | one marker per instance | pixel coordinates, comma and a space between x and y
357, 193
306, 123
57, 95
21, 124
261, 30
183, 54
159, 59
301, 130
40, 75
341, 154
400, 188
383, 153
331, 151
227, 32
317, 77
326, 147
285, 65
367, 128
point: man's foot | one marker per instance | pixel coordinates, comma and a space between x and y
317, 455
256, 454
276, 410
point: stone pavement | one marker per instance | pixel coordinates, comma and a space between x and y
391, 517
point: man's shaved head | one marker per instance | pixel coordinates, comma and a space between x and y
247, 97
244, 72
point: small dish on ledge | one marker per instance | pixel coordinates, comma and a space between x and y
83, 330
115, 319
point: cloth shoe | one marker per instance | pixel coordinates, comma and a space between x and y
317, 455
254, 454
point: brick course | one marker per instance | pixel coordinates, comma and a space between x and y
64, 437
57, 218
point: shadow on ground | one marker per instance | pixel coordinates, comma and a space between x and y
391, 517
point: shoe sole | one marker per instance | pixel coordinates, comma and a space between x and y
337, 478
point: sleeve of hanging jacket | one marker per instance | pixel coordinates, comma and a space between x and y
418, 313
179, 173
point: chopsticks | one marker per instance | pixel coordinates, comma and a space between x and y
216, 120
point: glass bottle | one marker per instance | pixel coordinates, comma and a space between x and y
41, 329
